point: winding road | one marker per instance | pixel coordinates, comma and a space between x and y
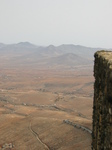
37, 137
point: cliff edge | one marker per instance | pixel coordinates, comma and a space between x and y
102, 105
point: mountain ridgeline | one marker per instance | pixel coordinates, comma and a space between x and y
63, 56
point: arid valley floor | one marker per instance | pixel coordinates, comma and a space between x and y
41, 100
36, 103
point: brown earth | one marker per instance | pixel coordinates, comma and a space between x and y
34, 103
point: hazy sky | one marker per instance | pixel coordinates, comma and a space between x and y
44, 22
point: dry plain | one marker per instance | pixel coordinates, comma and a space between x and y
34, 103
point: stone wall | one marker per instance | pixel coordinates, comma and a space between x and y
102, 105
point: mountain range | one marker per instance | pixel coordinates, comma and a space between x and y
25, 53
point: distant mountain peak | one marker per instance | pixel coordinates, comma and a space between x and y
51, 46
26, 44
